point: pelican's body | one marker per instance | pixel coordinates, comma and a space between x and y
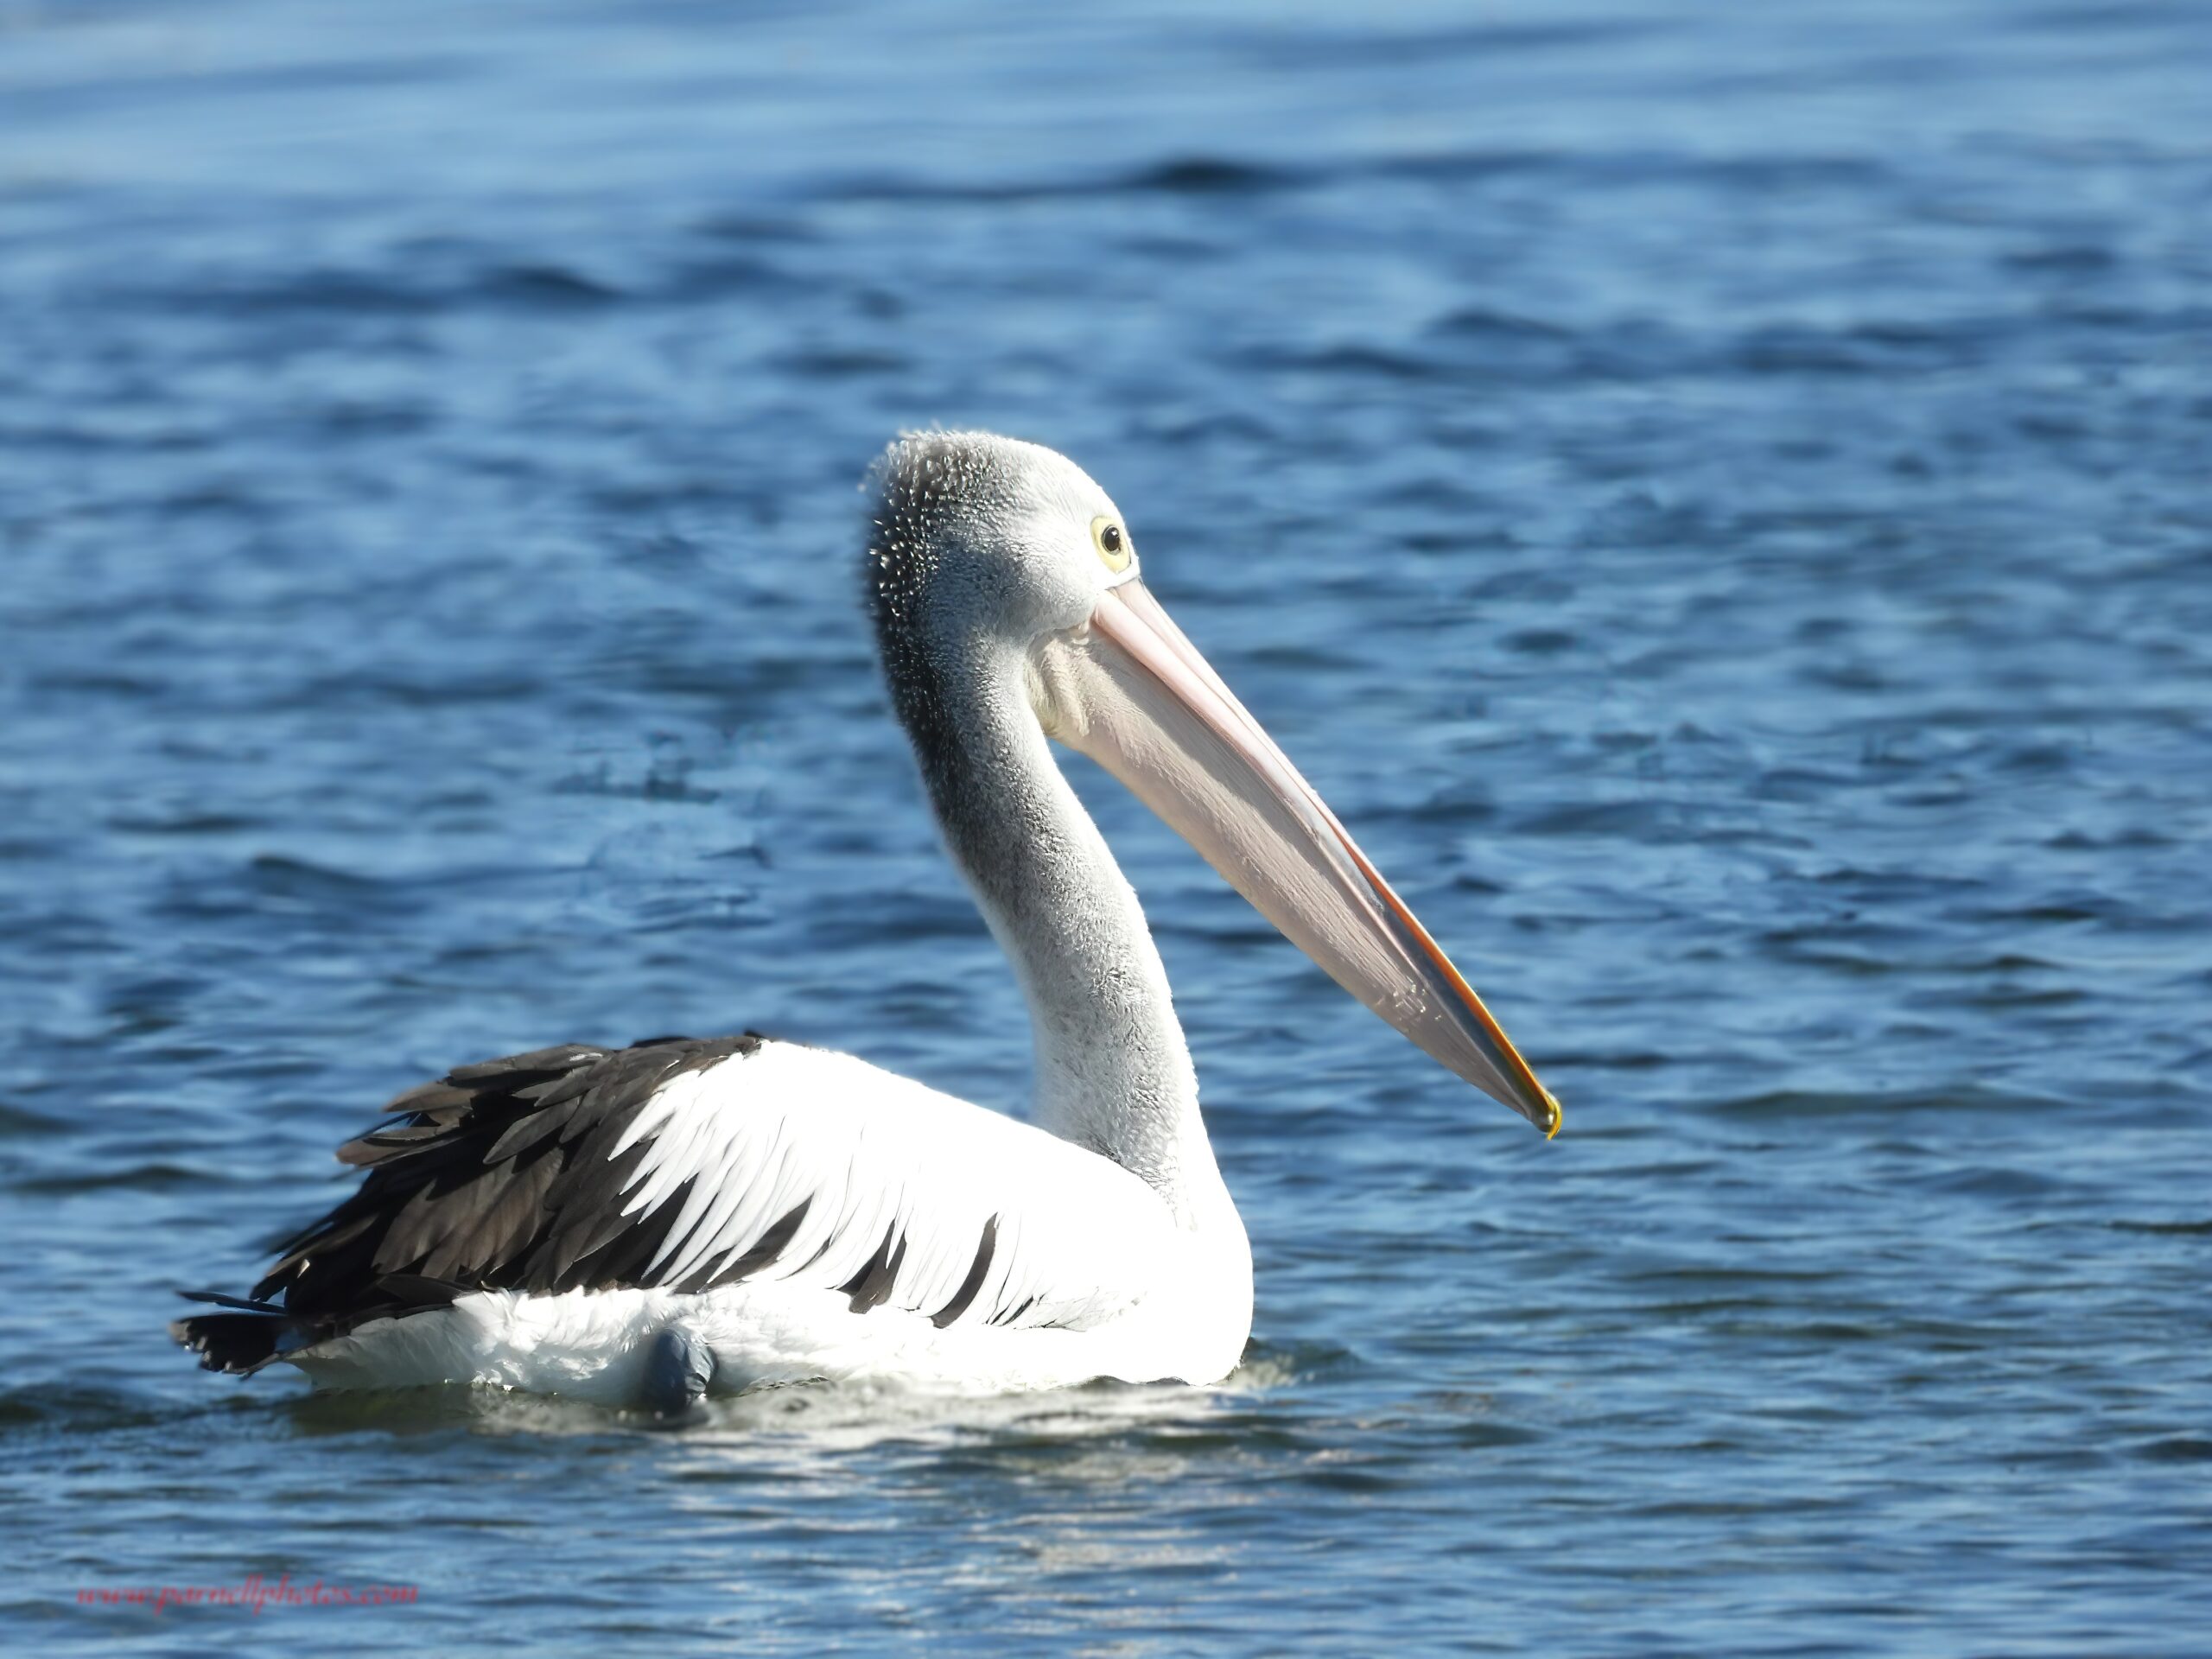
1113, 1287
641, 1225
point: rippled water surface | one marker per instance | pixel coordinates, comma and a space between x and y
1716, 497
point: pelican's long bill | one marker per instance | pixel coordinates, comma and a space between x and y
1136, 695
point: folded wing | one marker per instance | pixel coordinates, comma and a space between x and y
690, 1164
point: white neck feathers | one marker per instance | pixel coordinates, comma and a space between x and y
1113, 1070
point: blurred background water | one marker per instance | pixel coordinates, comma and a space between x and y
1715, 496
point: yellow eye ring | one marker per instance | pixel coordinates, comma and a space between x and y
1112, 543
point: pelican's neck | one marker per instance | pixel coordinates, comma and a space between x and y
1113, 1072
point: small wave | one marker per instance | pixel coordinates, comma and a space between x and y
1966, 1097
542, 285
1189, 176
73, 1410
138, 1178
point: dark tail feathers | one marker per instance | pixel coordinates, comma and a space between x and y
241, 1342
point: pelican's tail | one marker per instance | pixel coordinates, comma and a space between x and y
241, 1341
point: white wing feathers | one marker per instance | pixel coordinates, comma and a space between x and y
799, 1164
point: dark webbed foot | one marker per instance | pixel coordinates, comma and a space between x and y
678, 1368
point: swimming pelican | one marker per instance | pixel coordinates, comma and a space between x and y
641, 1225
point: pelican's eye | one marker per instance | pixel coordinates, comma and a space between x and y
1112, 543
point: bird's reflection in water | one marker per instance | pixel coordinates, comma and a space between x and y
810, 1418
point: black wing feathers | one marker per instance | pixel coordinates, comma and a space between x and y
974, 1282
504, 1176
872, 1284
498, 1177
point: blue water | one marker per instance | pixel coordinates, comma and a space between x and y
1716, 497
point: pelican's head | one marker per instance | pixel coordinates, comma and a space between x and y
983, 546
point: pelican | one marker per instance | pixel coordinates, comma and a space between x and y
643, 1226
